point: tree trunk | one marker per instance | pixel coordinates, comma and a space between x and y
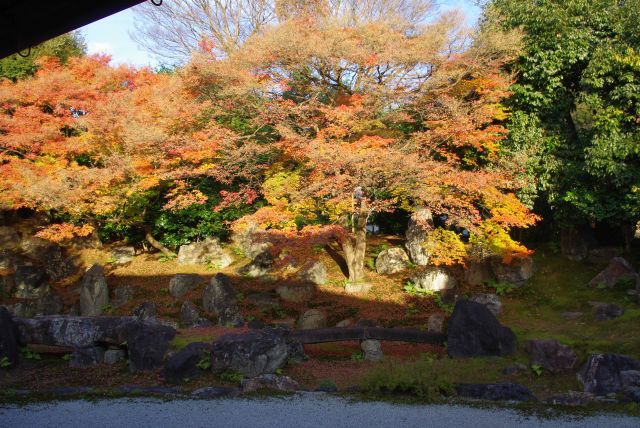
627, 232
158, 245
355, 244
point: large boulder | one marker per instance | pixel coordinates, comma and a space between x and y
434, 279
147, 344
183, 283
74, 332
392, 260
146, 311
190, 316
491, 301
219, 298
618, 270
604, 374
94, 294
122, 295
207, 251
516, 272
183, 365
420, 224
259, 266
503, 391
253, 353
296, 293
478, 273
30, 282
8, 337
473, 331
371, 350
551, 354
84, 357
250, 240
314, 271
311, 319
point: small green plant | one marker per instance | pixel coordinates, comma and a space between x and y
239, 296
106, 309
237, 251
502, 288
66, 357
318, 248
419, 378
371, 263
437, 298
204, 363
250, 318
111, 260
4, 363
537, 369
357, 356
376, 250
167, 257
230, 376
327, 384
279, 372
29, 355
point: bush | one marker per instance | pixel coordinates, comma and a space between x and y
418, 378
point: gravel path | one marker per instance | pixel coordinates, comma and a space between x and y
303, 410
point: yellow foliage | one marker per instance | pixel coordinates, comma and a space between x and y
494, 240
445, 248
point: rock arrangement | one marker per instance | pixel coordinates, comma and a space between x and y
207, 251
219, 298
94, 294
474, 331
618, 270
551, 355
392, 260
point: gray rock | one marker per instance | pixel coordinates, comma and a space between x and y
94, 294
313, 318
345, 323
296, 293
618, 270
219, 298
208, 251
314, 271
23, 309
35, 248
183, 283
605, 374
269, 381
190, 316
478, 273
113, 356
504, 391
259, 266
250, 240
146, 311
435, 323
491, 301
372, 350
30, 282
358, 287
84, 357
474, 331
420, 224
123, 255
183, 365
49, 304
551, 355
122, 295
434, 279
57, 265
517, 272
571, 315
147, 344
606, 311
73, 332
8, 337
392, 260
252, 353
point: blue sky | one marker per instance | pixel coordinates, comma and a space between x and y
111, 35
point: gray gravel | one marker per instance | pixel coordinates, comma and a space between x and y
302, 410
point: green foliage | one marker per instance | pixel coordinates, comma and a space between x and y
63, 47
502, 288
574, 130
231, 376
357, 356
327, 384
29, 355
204, 363
437, 298
5, 363
419, 378
537, 369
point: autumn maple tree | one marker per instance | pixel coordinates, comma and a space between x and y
373, 117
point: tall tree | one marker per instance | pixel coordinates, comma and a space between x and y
577, 107
370, 118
